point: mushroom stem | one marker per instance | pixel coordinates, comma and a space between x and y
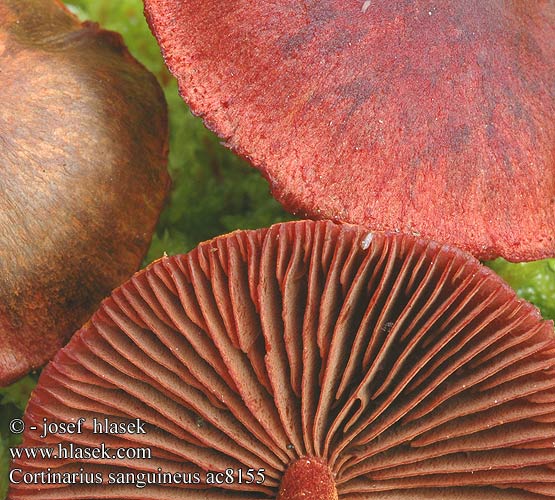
308, 477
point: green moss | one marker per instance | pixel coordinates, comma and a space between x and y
126, 17
533, 281
214, 191
13, 400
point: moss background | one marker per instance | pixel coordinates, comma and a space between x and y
214, 192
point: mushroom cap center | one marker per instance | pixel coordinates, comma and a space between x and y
308, 478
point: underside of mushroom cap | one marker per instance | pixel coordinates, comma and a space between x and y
315, 358
427, 118
83, 154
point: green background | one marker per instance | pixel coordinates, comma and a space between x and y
214, 192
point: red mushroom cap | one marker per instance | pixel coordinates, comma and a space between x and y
83, 153
427, 117
305, 361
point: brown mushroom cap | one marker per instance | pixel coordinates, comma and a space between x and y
83, 150
426, 117
342, 365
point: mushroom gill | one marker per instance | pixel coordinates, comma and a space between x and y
419, 116
83, 153
307, 360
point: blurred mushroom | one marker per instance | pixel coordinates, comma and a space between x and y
428, 117
323, 363
83, 150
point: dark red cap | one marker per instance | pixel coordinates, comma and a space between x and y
434, 118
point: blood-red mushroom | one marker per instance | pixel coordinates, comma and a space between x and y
83, 150
308, 360
426, 117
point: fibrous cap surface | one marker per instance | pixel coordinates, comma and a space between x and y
427, 117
